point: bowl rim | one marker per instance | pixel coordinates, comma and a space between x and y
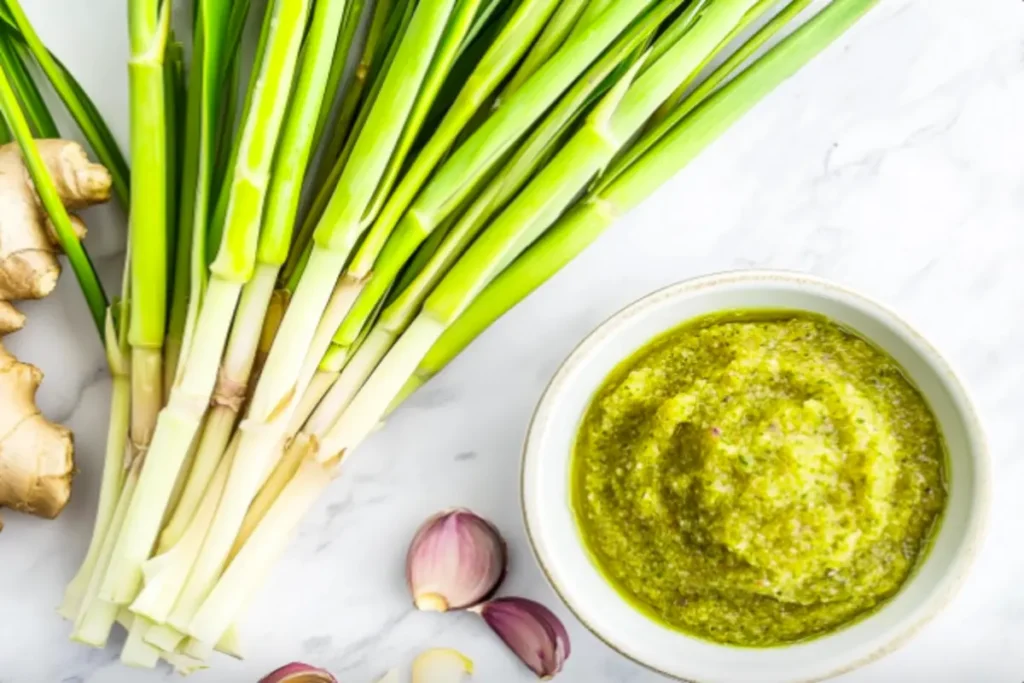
976, 434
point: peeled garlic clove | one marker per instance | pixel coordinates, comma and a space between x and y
530, 630
441, 666
297, 672
456, 560
390, 677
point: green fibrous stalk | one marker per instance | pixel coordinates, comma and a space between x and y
407, 219
530, 156
113, 462
666, 151
286, 373
179, 421
209, 77
552, 190
275, 236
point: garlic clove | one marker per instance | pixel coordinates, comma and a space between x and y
441, 665
530, 630
456, 560
297, 672
390, 677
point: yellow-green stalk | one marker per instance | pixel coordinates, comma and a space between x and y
233, 267
281, 381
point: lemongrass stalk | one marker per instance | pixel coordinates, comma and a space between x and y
328, 169
548, 42
339, 61
611, 125
754, 14
113, 462
180, 420
165, 573
231, 135
40, 121
484, 18
275, 236
296, 451
458, 27
137, 652
163, 637
501, 131
204, 94
197, 650
531, 154
41, 176
226, 400
247, 570
573, 233
74, 98
669, 152
149, 22
345, 136
667, 121
184, 665
96, 616
286, 373
340, 148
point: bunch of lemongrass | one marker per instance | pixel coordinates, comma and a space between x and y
477, 147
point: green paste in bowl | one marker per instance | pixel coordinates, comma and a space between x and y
758, 479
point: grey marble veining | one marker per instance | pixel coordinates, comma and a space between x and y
894, 164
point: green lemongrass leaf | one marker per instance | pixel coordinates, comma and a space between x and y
74, 97
230, 132
389, 17
175, 94
339, 63
611, 125
753, 15
666, 121
36, 112
485, 17
553, 36
589, 15
353, 111
528, 158
662, 160
458, 26
47, 191
495, 65
343, 220
208, 76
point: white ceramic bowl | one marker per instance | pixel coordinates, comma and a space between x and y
559, 548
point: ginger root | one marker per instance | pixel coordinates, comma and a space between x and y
36, 456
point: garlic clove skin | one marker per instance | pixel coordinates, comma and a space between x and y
530, 630
441, 665
456, 560
297, 672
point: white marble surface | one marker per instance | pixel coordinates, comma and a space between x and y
893, 164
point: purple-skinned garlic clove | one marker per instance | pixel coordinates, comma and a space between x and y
530, 630
456, 561
297, 672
